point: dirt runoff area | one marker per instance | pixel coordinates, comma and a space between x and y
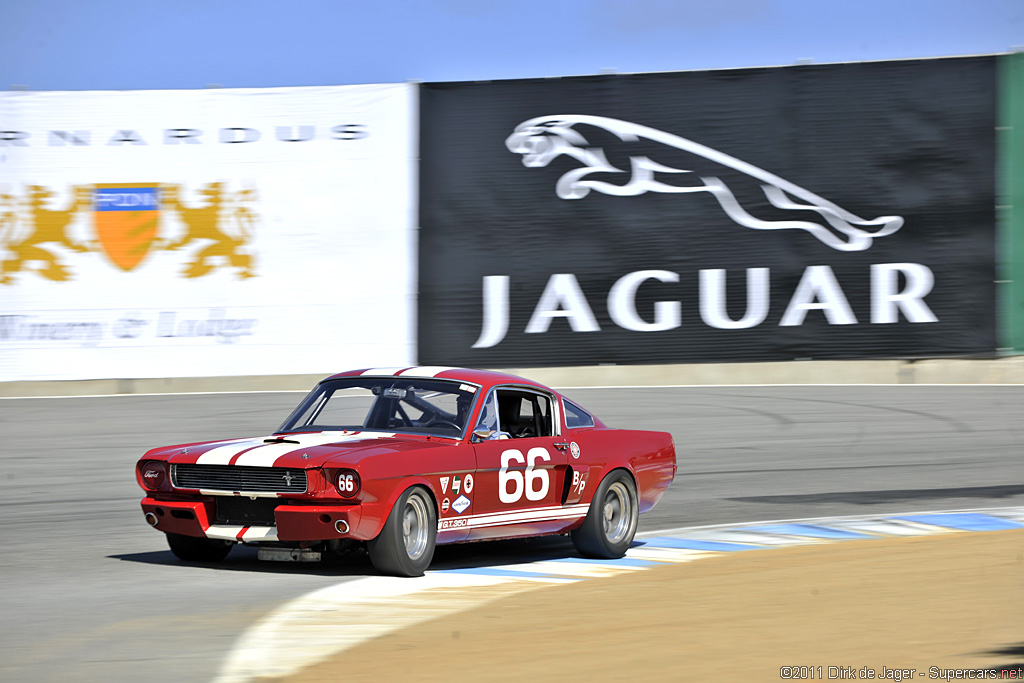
946, 607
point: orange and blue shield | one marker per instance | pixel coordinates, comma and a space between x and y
127, 220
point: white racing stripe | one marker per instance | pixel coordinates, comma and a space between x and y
265, 454
382, 371
221, 455
419, 371
426, 371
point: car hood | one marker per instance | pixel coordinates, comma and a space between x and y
303, 450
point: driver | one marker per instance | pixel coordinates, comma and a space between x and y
464, 403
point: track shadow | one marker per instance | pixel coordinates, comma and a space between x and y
244, 559
500, 553
357, 563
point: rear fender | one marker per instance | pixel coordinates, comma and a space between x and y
649, 457
597, 475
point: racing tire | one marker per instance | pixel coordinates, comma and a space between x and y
405, 546
610, 524
192, 549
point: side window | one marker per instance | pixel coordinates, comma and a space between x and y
576, 417
524, 414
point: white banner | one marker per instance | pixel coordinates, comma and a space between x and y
204, 233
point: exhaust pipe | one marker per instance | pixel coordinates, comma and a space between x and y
341, 526
151, 519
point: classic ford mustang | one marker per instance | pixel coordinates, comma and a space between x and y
401, 459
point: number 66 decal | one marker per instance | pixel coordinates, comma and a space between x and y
533, 481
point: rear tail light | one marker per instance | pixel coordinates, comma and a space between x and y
347, 483
153, 475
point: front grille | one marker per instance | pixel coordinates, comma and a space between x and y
239, 478
245, 511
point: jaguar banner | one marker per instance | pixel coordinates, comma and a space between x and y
809, 212
210, 232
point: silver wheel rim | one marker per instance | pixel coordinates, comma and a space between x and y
617, 513
414, 527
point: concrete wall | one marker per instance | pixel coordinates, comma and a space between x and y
939, 371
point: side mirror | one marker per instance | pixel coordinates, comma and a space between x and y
481, 435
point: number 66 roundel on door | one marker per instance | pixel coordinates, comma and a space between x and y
533, 482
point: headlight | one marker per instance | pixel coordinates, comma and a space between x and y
153, 475
347, 483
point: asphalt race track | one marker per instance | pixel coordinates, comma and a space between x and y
89, 592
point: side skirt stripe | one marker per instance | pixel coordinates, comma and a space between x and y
553, 513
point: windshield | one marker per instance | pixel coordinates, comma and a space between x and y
387, 404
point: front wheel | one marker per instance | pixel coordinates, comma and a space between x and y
610, 525
192, 549
405, 546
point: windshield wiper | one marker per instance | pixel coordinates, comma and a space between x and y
279, 439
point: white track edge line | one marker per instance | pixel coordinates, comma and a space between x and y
561, 388
233, 670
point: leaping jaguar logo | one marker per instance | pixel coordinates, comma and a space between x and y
541, 140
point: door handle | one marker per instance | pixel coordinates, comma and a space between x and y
560, 446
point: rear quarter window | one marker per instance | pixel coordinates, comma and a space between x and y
576, 417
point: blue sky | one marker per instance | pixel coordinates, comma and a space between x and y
121, 45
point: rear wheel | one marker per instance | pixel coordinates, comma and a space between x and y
192, 549
405, 546
610, 525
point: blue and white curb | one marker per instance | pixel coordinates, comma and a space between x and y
319, 625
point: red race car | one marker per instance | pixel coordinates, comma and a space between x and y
402, 459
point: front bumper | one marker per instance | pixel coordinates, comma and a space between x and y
292, 522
